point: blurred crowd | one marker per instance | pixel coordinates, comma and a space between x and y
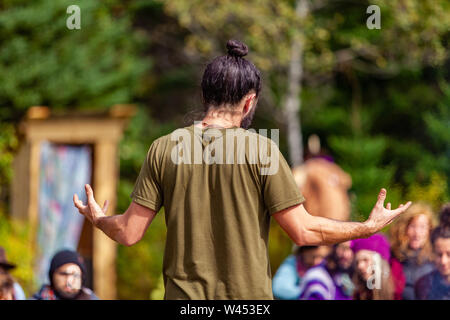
411, 262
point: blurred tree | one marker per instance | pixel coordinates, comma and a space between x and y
435, 192
362, 158
45, 63
8, 143
438, 129
42, 62
139, 267
304, 41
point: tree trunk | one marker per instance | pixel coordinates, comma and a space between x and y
292, 105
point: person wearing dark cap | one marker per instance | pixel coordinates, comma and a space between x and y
67, 274
5, 267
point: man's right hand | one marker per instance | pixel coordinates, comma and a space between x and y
381, 216
307, 230
92, 211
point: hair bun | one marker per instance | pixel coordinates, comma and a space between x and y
236, 48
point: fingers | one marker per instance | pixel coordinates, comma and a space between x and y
77, 202
406, 206
402, 208
393, 214
105, 206
82, 209
381, 197
93, 206
89, 192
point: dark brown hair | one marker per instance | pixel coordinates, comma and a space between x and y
444, 215
440, 232
227, 79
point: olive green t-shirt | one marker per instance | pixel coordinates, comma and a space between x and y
218, 188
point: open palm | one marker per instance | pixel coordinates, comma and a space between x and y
92, 211
381, 216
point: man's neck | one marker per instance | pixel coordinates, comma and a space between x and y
221, 118
205, 124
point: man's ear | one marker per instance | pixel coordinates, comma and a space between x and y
249, 103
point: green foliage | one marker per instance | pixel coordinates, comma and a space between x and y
280, 246
142, 130
435, 192
438, 128
139, 267
158, 292
15, 239
361, 157
8, 144
45, 63
333, 33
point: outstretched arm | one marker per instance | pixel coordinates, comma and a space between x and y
127, 228
305, 229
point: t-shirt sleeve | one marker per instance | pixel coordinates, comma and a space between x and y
147, 189
280, 190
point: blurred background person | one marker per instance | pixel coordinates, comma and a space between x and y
5, 267
323, 183
6, 287
436, 284
287, 280
67, 276
372, 276
331, 279
411, 245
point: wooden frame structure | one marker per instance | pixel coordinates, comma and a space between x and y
103, 131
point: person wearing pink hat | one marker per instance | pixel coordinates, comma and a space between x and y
372, 276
